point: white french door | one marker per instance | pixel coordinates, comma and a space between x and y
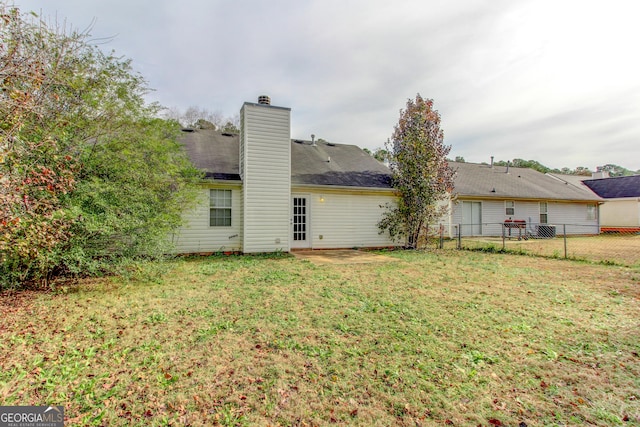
300, 236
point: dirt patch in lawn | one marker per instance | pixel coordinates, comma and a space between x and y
342, 256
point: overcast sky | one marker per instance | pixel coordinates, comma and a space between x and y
557, 81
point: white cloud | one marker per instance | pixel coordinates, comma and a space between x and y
536, 79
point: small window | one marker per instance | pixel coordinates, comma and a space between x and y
220, 208
592, 212
510, 207
543, 213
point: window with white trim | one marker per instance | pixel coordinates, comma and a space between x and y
510, 207
543, 212
220, 208
592, 212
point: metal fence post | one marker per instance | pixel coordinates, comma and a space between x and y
503, 236
441, 236
564, 232
459, 236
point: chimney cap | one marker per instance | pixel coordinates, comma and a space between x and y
264, 100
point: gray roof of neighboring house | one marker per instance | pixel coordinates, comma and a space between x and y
480, 180
571, 179
217, 154
614, 188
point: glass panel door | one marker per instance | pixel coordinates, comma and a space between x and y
471, 218
300, 222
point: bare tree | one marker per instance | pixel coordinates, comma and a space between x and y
200, 118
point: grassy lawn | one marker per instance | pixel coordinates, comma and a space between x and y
614, 249
451, 338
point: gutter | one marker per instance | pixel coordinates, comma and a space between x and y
299, 187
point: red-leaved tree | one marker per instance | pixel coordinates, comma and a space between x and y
89, 176
35, 172
421, 174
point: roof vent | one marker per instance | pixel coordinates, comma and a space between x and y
313, 140
264, 100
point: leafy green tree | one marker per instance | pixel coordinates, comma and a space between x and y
421, 174
231, 125
88, 175
581, 170
616, 170
381, 155
531, 164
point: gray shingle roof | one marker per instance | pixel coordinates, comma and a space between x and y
336, 164
217, 154
571, 179
477, 180
213, 152
613, 188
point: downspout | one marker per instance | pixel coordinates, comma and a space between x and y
452, 201
450, 217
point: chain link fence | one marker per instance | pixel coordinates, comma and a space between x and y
615, 245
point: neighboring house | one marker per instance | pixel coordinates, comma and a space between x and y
486, 196
621, 208
264, 192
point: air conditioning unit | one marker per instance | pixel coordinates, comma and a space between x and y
546, 231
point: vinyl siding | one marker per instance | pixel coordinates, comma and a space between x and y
574, 215
620, 213
266, 154
347, 219
197, 236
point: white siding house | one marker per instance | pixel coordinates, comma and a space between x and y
342, 218
621, 195
486, 196
264, 192
199, 236
265, 141
622, 212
